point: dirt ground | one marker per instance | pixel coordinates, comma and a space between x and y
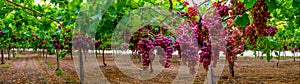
29, 68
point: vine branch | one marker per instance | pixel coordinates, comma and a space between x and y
171, 5
28, 8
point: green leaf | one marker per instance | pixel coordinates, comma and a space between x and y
245, 1
271, 5
242, 21
250, 4
168, 32
5, 31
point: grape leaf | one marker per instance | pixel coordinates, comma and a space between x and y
242, 21
271, 5
250, 4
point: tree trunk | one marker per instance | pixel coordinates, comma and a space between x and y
278, 59
57, 60
151, 68
81, 68
277, 62
13, 52
46, 55
103, 59
231, 69
72, 55
8, 54
2, 55
294, 57
235, 57
85, 54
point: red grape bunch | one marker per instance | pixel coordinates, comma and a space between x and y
83, 42
230, 49
239, 8
165, 43
250, 33
205, 55
223, 10
145, 46
260, 16
271, 31
189, 51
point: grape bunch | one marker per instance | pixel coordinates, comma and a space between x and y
250, 33
189, 51
239, 8
239, 47
271, 31
165, 43
81, 41
205, 55
230, 50
260, 16
221, 9
185, 3
145, 46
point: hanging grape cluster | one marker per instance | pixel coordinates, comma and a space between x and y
239, 8
144, 48
223, 10
82, 42
271, 31
143, 43
189, 51
260, 16
205, 55
165, 43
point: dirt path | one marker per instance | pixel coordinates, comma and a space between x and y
31, 69
27, 69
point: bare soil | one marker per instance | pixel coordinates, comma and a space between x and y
30, 68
